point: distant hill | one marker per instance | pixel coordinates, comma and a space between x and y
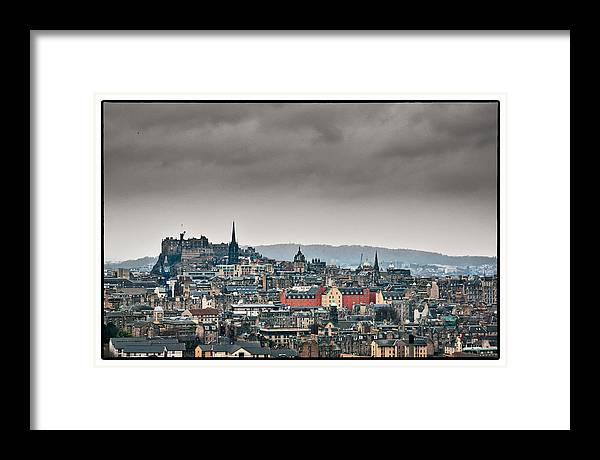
342, 255
136, 263
350, 255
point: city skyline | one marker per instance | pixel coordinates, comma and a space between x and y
397, 175
189, 234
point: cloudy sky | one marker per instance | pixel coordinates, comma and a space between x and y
410, 175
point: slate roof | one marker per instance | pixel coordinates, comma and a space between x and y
346, 324
351, 290
152, 348
380, 305
312, 291
284, 353
252, 347
146, 345
233, 288
128, 340
360, 318
394, 295
386, 342
204, 312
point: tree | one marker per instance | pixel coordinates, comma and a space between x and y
110, 331
333, 314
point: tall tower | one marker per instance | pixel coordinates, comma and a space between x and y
299, 261
234, 249
376, 270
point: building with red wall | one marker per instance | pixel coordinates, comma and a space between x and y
373, 295
354, 295
309, 296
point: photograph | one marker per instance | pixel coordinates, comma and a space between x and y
300, 229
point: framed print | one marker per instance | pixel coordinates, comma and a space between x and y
357, 222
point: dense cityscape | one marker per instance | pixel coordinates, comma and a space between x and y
220, 300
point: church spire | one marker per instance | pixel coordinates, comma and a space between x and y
234, 249
376, 270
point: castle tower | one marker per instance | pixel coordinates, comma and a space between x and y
234, 249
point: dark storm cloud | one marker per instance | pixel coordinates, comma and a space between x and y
265, 146
302, 154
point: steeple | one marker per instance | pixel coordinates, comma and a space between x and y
233, 248
299, 257
299, 261
376, 270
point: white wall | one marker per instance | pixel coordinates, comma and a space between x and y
531, 73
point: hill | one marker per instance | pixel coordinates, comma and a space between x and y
135, 263
350, 255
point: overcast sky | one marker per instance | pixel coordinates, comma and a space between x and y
412, 175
